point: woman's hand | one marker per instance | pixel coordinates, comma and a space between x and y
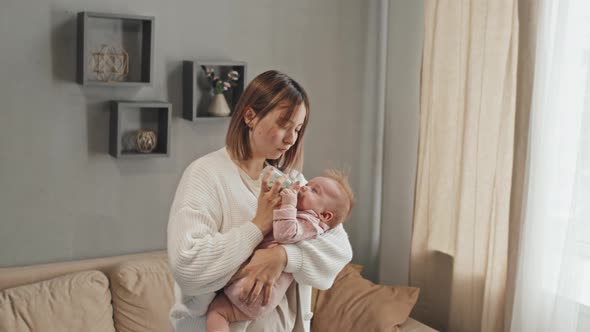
267, 201
260, 274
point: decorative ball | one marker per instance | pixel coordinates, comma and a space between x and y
146, 141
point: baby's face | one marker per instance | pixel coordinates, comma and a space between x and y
318, 195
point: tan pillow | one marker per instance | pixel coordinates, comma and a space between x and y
75, 302
142, 295
356, 304
315, 291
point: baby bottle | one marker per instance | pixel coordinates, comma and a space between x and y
276, 173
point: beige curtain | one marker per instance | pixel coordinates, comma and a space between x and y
463, 189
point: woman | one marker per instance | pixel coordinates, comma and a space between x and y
220, 214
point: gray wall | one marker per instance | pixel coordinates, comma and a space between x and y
63, 197
400, 155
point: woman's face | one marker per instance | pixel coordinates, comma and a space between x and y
269, 139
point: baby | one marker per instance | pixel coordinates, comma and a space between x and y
304, 214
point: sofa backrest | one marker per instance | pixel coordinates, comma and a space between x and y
143, 294
80, 301
22, 275
123, 293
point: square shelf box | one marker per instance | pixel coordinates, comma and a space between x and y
127, 118
115, 49
197, 90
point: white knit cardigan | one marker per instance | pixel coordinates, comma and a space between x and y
210, 234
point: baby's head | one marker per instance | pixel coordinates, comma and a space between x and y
330, 196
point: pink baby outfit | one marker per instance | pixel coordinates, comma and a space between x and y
289, 226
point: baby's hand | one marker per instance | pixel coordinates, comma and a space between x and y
288, 197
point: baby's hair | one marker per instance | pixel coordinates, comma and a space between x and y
341, 177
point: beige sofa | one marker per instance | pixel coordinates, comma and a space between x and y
120, 293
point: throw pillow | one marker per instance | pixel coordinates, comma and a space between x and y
356, 304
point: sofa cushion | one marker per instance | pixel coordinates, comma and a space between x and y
356, 304
143, 294
75, 302
315, 292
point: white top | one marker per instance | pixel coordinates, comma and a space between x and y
210, 235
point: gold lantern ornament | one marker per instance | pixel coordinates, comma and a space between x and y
146, 141
110, 63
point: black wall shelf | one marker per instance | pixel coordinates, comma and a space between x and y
197, 89
128, 117
132, 33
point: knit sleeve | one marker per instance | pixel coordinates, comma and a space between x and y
316, 262
201, 258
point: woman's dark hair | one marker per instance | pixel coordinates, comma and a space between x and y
262, 95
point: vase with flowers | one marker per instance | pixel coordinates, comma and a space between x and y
218, 105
